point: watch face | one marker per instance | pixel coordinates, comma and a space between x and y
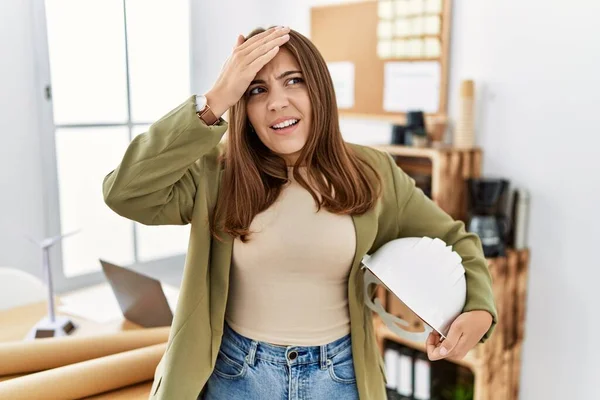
200, 102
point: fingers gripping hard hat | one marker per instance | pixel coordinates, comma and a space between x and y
424, 274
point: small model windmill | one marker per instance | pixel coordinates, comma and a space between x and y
51, 325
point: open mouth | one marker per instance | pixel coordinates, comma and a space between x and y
285, 125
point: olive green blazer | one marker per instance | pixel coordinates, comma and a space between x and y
171, 174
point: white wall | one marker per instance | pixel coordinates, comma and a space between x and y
536, 64
215, 27
539, 126
21, 189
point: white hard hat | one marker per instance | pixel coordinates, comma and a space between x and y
424, 274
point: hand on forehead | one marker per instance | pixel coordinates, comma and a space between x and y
276, 69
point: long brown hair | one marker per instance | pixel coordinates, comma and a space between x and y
253, 176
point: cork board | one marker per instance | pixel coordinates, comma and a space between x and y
349, 33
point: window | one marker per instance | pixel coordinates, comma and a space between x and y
115, 66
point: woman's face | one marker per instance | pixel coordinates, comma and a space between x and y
278, 106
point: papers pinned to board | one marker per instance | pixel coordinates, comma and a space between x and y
411, 86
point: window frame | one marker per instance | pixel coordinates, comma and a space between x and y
49, 173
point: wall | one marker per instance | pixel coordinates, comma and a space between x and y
537, 63
21, 198
214, 33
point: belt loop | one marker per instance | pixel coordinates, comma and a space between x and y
323, 360
251, 357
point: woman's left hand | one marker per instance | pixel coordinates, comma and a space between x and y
465, 332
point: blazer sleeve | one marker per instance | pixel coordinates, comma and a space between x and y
420, 216
156, 182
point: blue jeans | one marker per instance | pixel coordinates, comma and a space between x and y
251, 370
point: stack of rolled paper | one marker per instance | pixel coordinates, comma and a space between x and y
78, 367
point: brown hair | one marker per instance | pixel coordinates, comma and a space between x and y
254, 176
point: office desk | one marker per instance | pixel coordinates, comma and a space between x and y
15, 323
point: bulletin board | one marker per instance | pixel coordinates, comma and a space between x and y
352, 34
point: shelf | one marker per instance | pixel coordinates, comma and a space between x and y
428, 152
450, 168
398, 118
469, 361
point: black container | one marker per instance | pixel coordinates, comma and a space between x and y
487, 196
415, 120
399, 134
416, 131
487, 213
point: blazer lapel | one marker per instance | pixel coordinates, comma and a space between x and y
220, 265
365, 226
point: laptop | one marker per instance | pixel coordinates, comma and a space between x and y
141, 298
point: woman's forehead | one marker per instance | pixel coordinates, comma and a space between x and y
284, 61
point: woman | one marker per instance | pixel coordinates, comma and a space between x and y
272, 305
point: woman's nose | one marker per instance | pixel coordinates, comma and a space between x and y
278, 100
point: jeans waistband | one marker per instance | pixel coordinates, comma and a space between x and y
254, 349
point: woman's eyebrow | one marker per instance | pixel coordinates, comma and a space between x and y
286, 73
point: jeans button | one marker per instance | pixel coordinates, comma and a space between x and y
292, 355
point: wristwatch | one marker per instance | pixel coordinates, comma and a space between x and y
204, 111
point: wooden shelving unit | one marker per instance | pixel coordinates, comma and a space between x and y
495, 364
384, 333
450, 167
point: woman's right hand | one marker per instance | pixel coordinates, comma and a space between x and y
248, 57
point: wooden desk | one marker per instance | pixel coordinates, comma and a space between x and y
15, 323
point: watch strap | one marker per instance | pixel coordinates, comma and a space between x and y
207, 115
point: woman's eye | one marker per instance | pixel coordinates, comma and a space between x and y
296, 80
255, 90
